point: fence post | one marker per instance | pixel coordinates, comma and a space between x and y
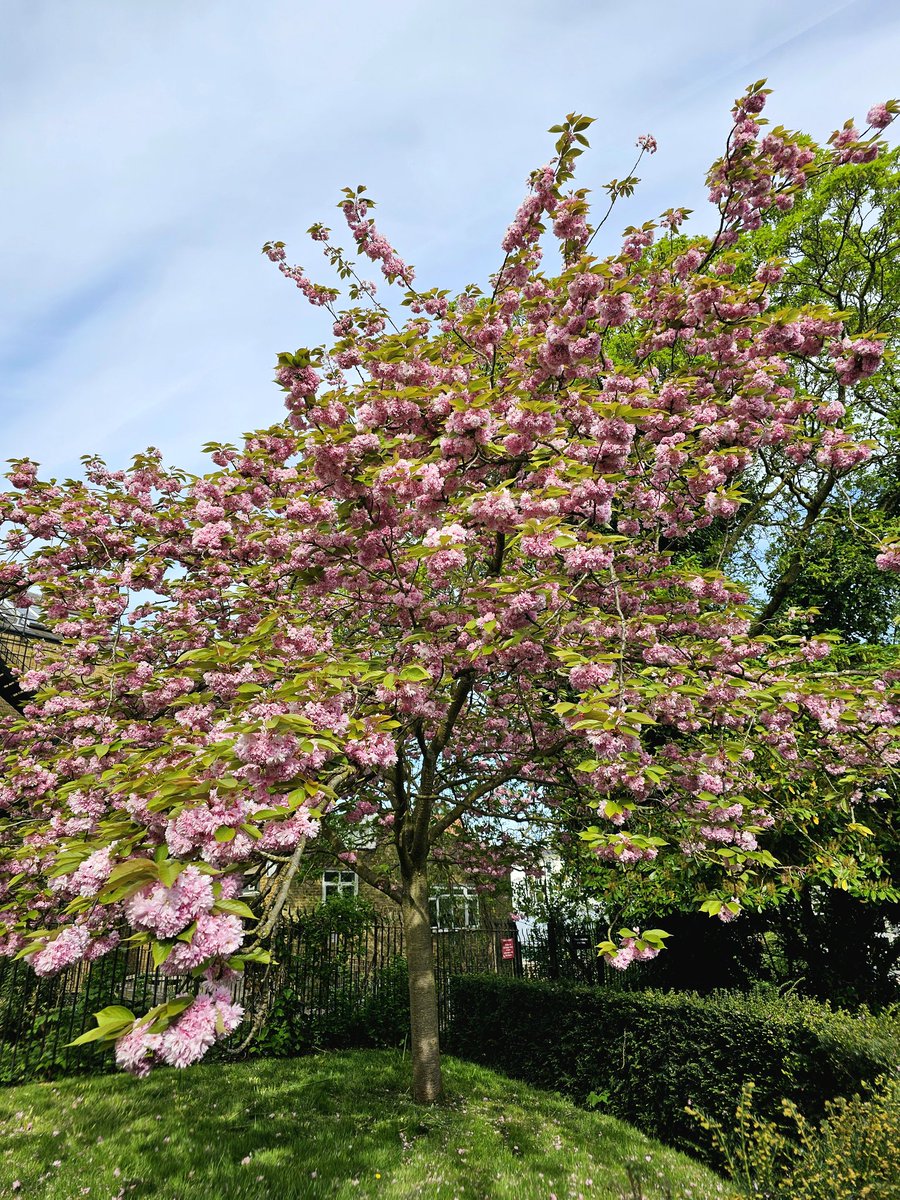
517, 951
553, 946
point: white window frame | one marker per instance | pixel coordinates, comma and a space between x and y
451, 897
346, 883
362, 836
267, 871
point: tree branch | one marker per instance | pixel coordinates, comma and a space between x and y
795, 564
483, 789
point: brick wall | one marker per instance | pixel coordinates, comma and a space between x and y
307, 889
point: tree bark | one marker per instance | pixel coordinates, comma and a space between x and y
795, 560
427, 1084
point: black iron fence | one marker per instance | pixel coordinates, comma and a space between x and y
18, 635
326, 986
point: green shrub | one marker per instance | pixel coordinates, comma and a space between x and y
373, 1015
383, 1020
648, 1055
851, 1154
345, 916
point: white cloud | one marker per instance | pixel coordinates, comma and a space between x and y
153, 148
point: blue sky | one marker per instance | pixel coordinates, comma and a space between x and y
149, 149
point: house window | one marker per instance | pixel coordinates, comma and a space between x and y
339, 883
456, 907
363, 835
265, 871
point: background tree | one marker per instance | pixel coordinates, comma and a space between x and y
803, 545
444, 594
841, 246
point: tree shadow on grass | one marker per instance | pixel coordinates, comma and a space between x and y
337, 1125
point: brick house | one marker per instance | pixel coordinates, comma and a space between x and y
455, 900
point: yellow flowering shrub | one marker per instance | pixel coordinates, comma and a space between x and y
852, 1154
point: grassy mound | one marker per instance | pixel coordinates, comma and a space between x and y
334, 1125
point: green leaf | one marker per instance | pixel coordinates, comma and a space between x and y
172, 1008
169, 872
111, 1023
254, 956
414, 674
131, 869
160, 951
237, 908
864, 830
126, 878
225, 833
99, 1033
112, 1014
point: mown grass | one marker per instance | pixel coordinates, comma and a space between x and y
333, 1125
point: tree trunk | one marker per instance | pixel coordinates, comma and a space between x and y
427, 1084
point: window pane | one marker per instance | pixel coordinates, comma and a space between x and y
456, 908
339, 883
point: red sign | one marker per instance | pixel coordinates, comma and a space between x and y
507, 948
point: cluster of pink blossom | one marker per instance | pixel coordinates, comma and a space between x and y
373, 244
856, 358
880, 116
67, 947
448, 543
727, 913
313, 292
194, 830
889, 558
629, 952
211, 1016
88, 878
849, 146
839, 452
526, 227
167, 911
569, 223
215, 938
376, 749
625, 849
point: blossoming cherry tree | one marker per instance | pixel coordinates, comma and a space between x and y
448, 595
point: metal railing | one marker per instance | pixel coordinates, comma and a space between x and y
18, 634
324, 987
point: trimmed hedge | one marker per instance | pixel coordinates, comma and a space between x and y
644, 1056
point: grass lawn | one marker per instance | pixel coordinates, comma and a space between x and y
336, 1125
